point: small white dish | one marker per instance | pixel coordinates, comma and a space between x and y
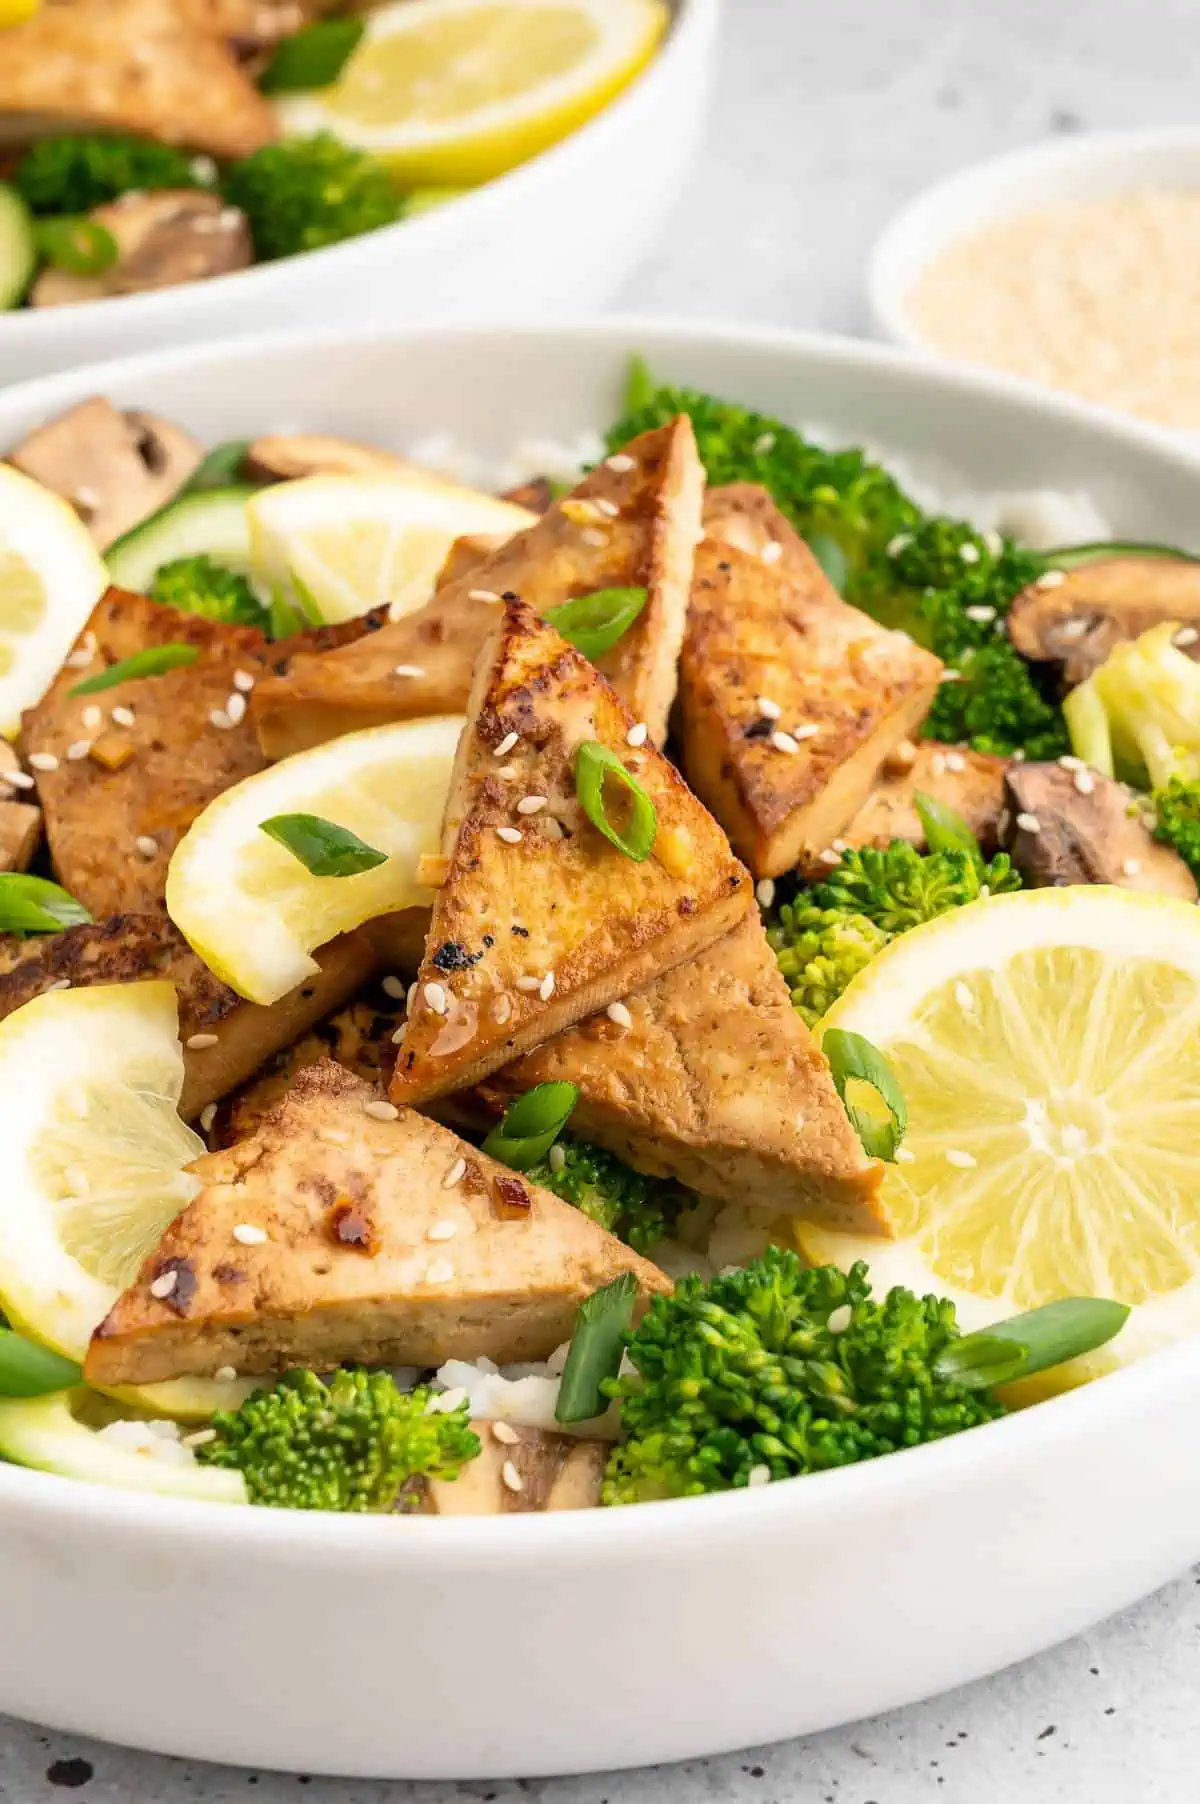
560, 234
1089, 167
478, 1648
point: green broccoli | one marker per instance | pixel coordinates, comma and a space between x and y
900, 888
993, 702
349, 1443
303, 193
819, 950
1138, 716
75, 172
1177, 820
637, 1209
744, 1379
199, 585
947, 585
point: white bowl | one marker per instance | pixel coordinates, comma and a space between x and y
560, 234
528, 1645
1073, 168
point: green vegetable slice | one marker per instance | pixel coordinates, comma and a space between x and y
82, 247
601, 1329
321, 846
945, 828
18, 251
594, 764
831, 558
155, 660
35, 905
220, 469
28, 1370
313, 57
870, 1094
1032, 1342
1075, 557
594, 623
531, 1125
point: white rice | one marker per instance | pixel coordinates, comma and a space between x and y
524, 1395
156, 1440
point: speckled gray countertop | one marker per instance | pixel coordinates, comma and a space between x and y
827, 117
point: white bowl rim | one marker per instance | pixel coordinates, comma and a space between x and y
917, 221
609, 1535
690, 21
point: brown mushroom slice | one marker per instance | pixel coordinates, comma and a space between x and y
283, 457
114, 468
1075, 617
172, 236
521, 1469
1075, 826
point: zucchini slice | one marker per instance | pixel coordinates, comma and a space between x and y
212, 522
45, 1433
18, 254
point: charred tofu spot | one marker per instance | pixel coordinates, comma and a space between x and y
510, 1199
181, 1294
228, 1274
452, 955
351, 1226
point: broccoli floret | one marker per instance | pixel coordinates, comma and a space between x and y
899, 888
199, 585
819, 950
994, 704
948, 585
637, 1209
350, 1443
78, 171
1138, 716
303, 193
744, 1375
1177, 820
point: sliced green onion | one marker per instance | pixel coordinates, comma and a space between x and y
155, 660
284, 619
313, 57
82, 247
27, 1370
531, 1125
594, 763
870, 1094
35, 905
221, 469
830, 556
945, 828
1076, 557
640, 386
322, 847
593, 623
601, 1330
1032, 1342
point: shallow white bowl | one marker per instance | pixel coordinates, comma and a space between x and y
560, 234
529, 1645
1089, 167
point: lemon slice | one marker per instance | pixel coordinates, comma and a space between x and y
453, 92
252, 910
51, 577
339, 545
1048, 1047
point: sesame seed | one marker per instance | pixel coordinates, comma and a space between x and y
619, 1015
637, 734
955, 761
63, 983
531, 804
334, 1136
77, 659
442, 1230
407, 670
507, 1436
20, 779
608, 507
78, 749
455, 1175
529, 984
895, 546
1070, 629
1051, 579
807, 730
201, 1042
235, 707
394, 987
507, 772
1071, 763
592, 535
501, 1010
220, 719
938, 764
200, 1437
435, 998
511, 1477
783, 742
43, 760
963, 996
248, 1235
557, 1157
146, 846
980, 613
208, 1115
969, 554
163, 1286
771, 552
1029, 823
619, 462
93, 719
764, 889
506, 745
512, 836
1084, 782
963, 1161
124, 717
763, 443
488, 595
546, 987
440, 1272
904, 1155
243, 680
1131, 867
1187, 635
839, 845
758, 1475
767, 708
379, 1110
829, 856
225, 1374
839, 1319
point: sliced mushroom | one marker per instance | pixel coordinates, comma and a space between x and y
174, 235
520, 1469
1075, 826
1074, 618
282, 457
114, 468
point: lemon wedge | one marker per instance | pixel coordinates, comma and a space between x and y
1048, 1047
94, 1165
51, 577
252, 910
454, 92
340, 545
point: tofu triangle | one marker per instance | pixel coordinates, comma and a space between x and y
633, 522
541, 920
388, 1242
716, 1082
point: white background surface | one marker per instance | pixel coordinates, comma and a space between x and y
827, 117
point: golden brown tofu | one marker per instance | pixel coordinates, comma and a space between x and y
552, 1472
790, 701
20, 833
145, 66
579, 546
718, 1083
541, 919
387, 1241
972, 783
128, 784
233, 1037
